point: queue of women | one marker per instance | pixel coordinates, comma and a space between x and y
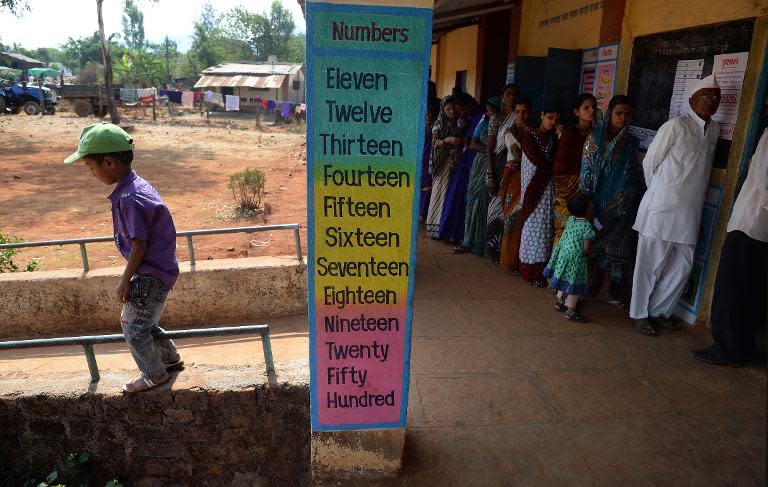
554, 203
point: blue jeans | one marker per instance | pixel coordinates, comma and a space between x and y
146, 301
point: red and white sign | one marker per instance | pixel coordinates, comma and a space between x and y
729, 70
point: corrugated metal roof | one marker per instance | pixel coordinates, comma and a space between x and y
273, 81
254, 68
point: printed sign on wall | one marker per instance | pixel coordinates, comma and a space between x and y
367, 69
690, 302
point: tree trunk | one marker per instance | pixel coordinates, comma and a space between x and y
110, 92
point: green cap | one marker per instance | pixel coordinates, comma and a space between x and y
101, 138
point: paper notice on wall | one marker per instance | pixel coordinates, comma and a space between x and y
687, 73
644, 135
729, 70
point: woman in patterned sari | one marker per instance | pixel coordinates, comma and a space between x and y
509, 193
446, 148
486, 171
612, 175
567, 166
426, 178
539, 147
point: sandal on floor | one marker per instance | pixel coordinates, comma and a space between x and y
459, 249
665, 323
538, 283
560, 306
142, 384
645, 327
573, 315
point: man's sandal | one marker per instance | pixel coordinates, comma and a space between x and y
645, 327
665, 323
142, 384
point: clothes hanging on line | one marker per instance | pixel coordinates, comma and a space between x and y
286, 110
217, 99
145, 92
232, 103
174, 97
129, 95
188, 99
271, 105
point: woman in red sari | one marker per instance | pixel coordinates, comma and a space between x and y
567, 165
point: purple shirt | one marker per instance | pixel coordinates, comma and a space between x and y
138, 212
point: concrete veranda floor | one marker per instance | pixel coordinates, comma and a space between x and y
505, 392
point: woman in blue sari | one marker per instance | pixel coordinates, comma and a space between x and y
612, 175
452, 219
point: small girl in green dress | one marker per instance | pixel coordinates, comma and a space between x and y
567, 268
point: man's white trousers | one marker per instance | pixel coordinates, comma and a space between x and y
661, 272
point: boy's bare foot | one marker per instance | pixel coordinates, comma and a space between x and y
142, 384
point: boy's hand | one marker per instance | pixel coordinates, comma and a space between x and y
122, 290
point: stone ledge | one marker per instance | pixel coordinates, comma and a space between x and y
215, 292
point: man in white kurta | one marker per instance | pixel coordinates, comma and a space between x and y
677, 168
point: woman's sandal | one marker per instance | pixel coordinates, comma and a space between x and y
645, 327
573, 315
538, 283
142, 384
560, 306
459, 249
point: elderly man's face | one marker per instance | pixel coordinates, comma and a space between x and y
705, 102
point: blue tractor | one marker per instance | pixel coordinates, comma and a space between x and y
16, 97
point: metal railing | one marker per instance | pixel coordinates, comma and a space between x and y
188, 235
88, 342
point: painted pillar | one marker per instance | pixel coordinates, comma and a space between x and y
367, 72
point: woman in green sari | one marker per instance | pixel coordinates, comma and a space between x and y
611, 174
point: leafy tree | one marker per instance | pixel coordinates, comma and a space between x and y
133, 25
76, 53
16, 7
141, 66
210, 45
297, 48
266, 34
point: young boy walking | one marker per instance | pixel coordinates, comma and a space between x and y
146, 237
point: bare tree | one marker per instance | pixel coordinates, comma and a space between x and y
108, 85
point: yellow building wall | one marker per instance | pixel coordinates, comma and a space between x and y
433, 63
456, 51
580, 32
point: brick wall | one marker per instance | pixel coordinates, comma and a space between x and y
255, 436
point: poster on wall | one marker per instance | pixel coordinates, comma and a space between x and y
605, 77
366, 65
690, 302
729, 70
510, 72
588, 69
687, 73
588, 79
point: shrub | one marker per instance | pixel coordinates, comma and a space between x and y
6, 256
247, 188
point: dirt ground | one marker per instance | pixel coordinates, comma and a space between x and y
186, 158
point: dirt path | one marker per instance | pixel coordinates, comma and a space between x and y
42, 199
